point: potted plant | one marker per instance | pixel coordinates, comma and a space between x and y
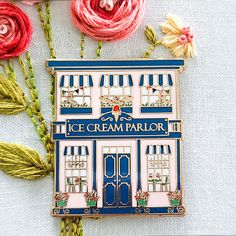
91, 198
62, 199
175, 198
142, 198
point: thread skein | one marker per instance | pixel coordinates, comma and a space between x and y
107, 20
15, 31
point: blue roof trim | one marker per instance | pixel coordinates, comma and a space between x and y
115, 63
160, 79
72, 80
62, 81
130, 81
170, 81
141, 81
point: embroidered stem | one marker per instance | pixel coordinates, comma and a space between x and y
151, 37
34, 110
99, 49
71, 226
82, 45
46, 26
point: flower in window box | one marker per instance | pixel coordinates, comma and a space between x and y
177, 38
175, 198
61, 199
91, 198
142, 198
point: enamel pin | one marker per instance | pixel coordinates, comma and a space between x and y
117, 137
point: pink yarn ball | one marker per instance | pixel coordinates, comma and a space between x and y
107, 20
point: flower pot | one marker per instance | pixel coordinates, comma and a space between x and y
61, 203
142, 202
175, 202
91, 203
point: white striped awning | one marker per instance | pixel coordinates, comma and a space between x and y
116, 81
76, 81
158, 149
76, 150
156, 80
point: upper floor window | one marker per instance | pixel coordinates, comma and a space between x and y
158, 168
116, 90
76, 169
156, 93
76, 94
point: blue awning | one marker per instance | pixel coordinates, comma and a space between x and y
116, 81
158, 149
76, 81
76, 150
156, 80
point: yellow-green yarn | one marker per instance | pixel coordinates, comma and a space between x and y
82, 45
22, 162
99, 49
45, 20
71, 227
12, 100
34, 110
152, 39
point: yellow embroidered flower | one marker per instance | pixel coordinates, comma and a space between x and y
177, 38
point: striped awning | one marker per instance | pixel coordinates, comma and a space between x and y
156, 80
116, 81
76, 150
76, 81
158, 149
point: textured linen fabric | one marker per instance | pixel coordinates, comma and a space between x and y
208, 110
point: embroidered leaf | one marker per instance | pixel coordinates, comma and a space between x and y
151, 35
12, 99
22, 162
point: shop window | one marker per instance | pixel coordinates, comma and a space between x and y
156, 93
76, 94
158, 168
116, 91
76, 169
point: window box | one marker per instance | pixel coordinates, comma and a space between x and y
61, 203
156, 109
91, 203
79, 110
142, 203
123, 109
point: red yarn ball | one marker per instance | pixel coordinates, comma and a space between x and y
105, 23
15, 31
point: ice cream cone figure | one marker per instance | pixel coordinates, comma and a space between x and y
116, 112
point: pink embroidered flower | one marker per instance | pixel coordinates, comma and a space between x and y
15, 31
30, 2
177, 38
107, 20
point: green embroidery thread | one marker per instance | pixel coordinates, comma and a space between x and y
99, 49
71, 227
82, 45
152, 39
23, 162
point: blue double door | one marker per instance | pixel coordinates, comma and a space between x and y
117, 180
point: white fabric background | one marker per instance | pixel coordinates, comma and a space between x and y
208, 110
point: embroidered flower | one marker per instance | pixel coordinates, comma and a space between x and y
178, 39
15, 31
107, 20
30, 2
